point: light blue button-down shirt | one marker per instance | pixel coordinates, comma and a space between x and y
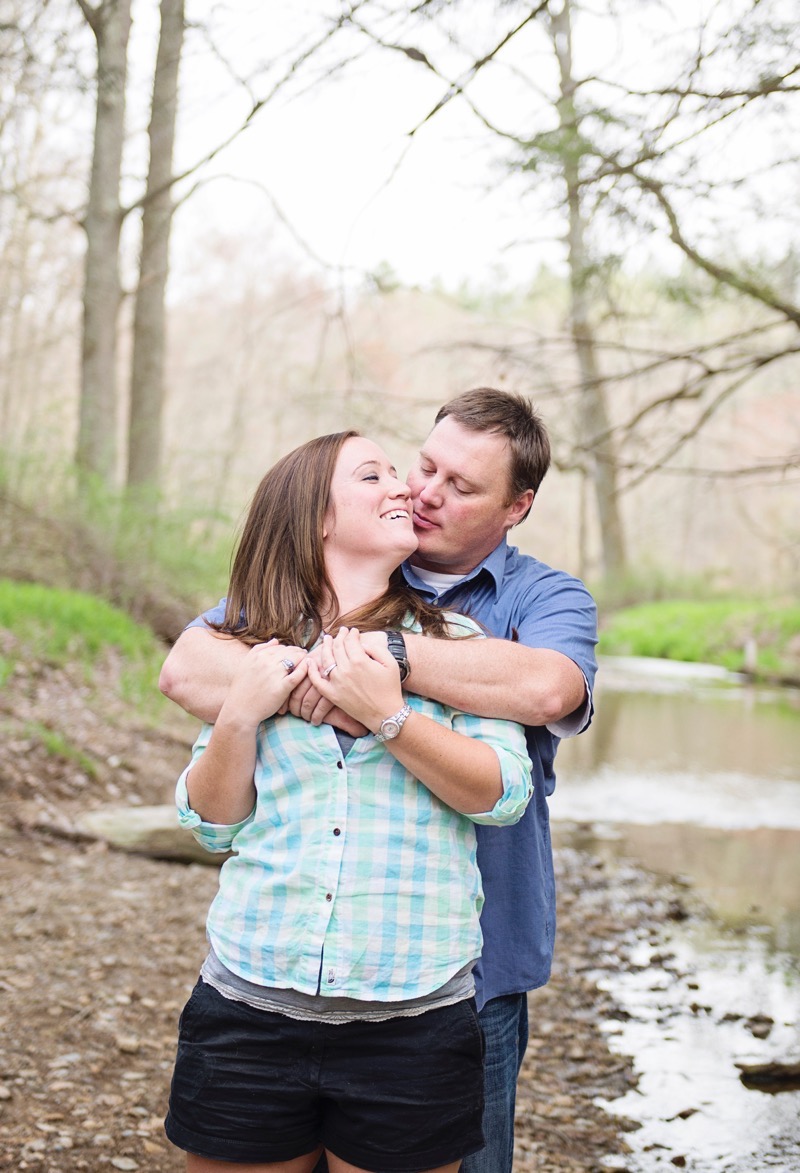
351, 878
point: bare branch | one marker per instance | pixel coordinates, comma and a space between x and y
256, 107
719, 272
454, 88
766, 86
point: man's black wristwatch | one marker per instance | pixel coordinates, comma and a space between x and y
397, 646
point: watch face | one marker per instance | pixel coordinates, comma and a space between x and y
390, 729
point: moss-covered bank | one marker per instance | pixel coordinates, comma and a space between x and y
761, 639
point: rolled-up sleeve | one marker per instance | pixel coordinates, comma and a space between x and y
507, 739
214, 837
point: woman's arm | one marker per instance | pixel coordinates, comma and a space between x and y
464, 771
220, 784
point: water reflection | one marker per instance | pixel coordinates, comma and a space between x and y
697, 730
749, 877
699, 781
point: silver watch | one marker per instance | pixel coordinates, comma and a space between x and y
391, 726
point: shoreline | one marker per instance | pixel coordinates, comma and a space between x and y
604, 911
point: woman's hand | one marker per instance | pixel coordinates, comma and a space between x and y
263, 682
364, 682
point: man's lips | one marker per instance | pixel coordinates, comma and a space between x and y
423, 522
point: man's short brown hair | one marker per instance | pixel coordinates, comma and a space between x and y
485, 409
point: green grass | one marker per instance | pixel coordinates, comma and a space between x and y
71, 627
58, 746
716, 631
155, 561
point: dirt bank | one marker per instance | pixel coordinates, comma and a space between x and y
101, 949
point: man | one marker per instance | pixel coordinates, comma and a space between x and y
475, 478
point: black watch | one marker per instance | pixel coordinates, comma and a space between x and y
397, 646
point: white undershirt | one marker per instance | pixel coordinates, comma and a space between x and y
436, 581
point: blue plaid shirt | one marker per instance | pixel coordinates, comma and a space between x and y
350, 878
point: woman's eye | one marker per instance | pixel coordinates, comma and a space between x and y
372, 476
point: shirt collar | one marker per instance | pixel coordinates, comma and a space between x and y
494, 564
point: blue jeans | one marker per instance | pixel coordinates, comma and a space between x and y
505, 1028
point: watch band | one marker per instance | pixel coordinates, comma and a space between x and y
397, 646
391, 726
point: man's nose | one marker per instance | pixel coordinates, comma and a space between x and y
430, 493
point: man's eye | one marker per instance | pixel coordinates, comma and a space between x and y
462, 492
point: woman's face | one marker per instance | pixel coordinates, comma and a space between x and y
369, 509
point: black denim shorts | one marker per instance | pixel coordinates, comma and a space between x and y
401, 1096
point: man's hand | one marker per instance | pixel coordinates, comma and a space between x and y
305, 701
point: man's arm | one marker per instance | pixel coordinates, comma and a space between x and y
496, 678
198, 671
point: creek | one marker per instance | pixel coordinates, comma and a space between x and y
690, 773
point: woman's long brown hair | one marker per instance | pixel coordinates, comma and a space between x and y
279, 585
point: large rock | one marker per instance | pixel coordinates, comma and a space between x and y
146, 830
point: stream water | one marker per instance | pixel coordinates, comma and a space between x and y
691, 774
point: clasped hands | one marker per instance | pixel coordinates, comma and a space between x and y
355, 695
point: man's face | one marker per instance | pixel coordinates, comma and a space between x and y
460, 492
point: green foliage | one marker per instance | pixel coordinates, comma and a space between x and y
58, 746
154, 547
728, 632
649, 584
157, 563
71, 627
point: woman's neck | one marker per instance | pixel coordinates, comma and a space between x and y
355, 586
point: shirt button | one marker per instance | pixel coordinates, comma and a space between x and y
337, 830
340, 765
328, 896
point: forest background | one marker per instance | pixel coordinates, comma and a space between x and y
227, 227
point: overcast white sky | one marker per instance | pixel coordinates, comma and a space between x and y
335, 159
336, 163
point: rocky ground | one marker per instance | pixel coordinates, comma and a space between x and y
102, 947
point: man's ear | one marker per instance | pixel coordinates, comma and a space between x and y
519, 508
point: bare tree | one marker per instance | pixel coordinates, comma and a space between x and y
110, 22
149, 323
597, 436
619, 168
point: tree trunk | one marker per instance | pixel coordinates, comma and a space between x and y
596, 431
149, 325
96, 453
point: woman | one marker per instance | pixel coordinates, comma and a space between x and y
334, 1011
